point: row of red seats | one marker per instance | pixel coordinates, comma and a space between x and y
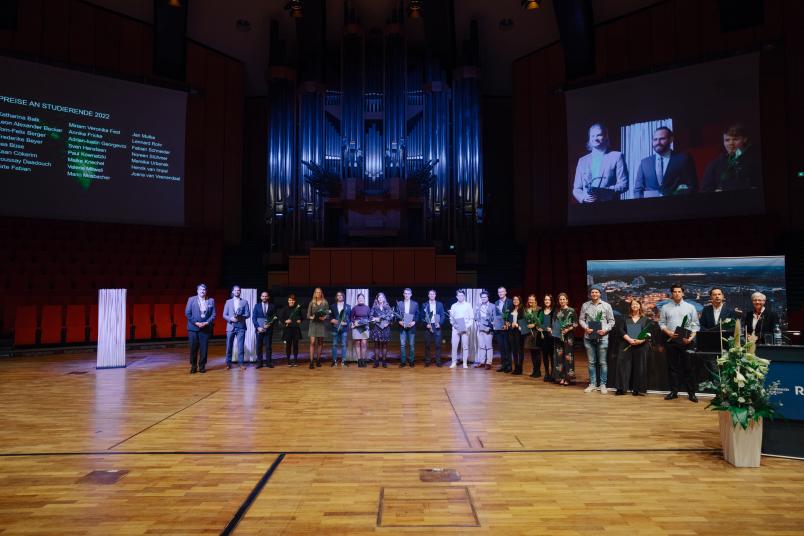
22, 283
78, 323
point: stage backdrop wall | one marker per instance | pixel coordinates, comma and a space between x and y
649, 280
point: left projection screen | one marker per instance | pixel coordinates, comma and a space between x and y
78, 146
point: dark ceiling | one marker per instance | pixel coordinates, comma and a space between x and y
213, 22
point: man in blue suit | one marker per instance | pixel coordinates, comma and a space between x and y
339, 324
666, 172
432, 314
263, 318
407, 309
235, 312
200, 313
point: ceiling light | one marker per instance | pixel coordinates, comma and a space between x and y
295, 8
530, 4
174, 3
415, 9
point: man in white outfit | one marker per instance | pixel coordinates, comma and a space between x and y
461, 317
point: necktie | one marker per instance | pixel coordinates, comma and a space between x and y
264, 308
659, 169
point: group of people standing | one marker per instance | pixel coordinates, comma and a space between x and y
508, 325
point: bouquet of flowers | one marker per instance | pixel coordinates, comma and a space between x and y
727, 323
644, 335
321, 313
682, 330
268, 322
741, 388
340, 319
535, 318
294, 314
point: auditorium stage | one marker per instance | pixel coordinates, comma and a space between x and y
352, 451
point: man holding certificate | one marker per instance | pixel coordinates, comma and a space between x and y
235, 313
432, 314
263, 318
679, 321
407, 310
597, 319
461, 317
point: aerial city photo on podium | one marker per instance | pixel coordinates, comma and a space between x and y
401, 266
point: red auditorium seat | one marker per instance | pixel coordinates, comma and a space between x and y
51, 324
25, 325
76, 323
141, 320
93, 322
163, 321
180, 319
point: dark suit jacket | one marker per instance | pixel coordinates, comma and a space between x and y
295, 327
414, 310
258, 318
744, 173
680, 170
508, 306
347, 313
765, 324
424, 312
193, 313
707, 320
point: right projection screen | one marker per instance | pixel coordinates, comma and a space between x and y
678, 144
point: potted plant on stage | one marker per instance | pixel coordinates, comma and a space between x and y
743, 400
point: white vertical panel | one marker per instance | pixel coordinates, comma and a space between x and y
351, 299
250, 346
111, 328
473, 297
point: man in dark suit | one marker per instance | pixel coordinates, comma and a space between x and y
432, 314
666, 172
235, 312
760, 321
504, 307
339, 323
715, 313
407, 309
263, 317
200, 313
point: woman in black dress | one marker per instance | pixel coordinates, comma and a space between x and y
633, 356
515, 335
381, 317
547, 343
290, 318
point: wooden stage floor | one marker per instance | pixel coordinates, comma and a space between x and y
151, 449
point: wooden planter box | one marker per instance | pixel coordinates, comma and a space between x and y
741, 448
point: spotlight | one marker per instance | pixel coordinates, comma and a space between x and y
296, 9
530, 4
415, 9
174, 3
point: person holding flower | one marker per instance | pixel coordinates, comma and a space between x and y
381, 317
597, 320
564, 323
485, 315
290, 317
679, 322
532, 341
317, 313
632, 360
515, 336
461, 317
501, 325
547, 342
338, 325
359, 321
